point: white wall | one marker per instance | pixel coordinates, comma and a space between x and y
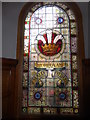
89, 30
10, 13
84, 9
0, 29
0, 60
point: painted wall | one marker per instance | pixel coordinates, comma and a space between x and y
0, 29
84, 10
0, 60
89, 30
10, 13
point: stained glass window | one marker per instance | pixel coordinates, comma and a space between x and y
50, 79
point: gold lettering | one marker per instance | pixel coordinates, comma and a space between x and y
49, 65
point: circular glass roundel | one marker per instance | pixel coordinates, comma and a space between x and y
37, 95
60, 20
38, 21
62, 96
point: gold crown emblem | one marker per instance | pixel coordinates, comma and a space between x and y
50, 48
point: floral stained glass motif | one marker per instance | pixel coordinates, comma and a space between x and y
50, 81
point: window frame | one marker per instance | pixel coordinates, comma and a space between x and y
20, 45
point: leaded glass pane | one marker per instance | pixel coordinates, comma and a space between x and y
50, 78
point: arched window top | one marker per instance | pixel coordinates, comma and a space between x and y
63, 7
50, 60
54, 8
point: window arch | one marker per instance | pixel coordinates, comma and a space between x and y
50, 60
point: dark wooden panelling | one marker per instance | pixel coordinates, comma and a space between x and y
8, 87
86, 88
